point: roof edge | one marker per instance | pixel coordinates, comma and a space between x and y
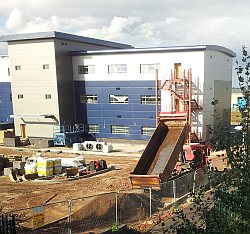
160, 49
65, 36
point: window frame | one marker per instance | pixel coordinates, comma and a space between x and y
117, 68
19, 96
45, 66
48, 96
84, 98
149, 68
145, 101
18, 67
119, 129
94, 127
147, 130
86, 69
112, 98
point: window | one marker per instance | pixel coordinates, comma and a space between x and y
89, 69
149, 68
93, 128
149, 99
147, 131
47, 96
20, 96
45, 66
118, 99
89, 98
119, 129
117, 68
18, 67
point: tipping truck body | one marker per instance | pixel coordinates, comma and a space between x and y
160, 155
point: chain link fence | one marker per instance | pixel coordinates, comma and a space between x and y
100, 212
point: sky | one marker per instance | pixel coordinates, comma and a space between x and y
140, 23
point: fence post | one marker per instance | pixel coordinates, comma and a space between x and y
150, 202
69, 217
174, 190
194, 180
116, 209
13, 224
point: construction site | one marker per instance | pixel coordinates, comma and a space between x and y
88, 186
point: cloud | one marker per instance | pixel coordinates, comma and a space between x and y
15, 20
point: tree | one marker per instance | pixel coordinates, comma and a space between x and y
226, 207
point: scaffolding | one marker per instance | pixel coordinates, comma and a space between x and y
184, 102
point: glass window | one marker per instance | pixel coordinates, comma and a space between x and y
20, 96
45, 66
18, 67
89, 98
93, 128
147, 131
117, 68
149, 68
88, 69
149, 99
47, 96
119, 129
118, 99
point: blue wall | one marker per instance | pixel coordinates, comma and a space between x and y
133, 114
5, 103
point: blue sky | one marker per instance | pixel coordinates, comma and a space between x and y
141, 23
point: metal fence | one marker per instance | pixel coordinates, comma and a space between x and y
100, 212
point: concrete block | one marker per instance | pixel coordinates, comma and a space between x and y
12, 142
7, 171
41, 142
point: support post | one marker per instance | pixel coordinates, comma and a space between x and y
174, 190
150, 202
69, 217
116, 209
156, 96
194, 180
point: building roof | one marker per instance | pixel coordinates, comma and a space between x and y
65, 36
160, 49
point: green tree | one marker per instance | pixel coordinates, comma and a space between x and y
223, 206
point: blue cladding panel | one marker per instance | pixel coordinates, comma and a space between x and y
132, 114
6, 108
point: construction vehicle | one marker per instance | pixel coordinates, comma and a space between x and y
172, 139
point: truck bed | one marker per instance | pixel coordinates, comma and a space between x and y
160, 156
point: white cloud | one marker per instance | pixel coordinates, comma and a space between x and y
15, 21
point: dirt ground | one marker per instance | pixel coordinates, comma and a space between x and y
25, 194
30, 193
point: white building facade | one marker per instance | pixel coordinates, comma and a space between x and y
59, 79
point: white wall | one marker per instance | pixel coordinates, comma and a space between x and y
218, 71
189, 59
33, 82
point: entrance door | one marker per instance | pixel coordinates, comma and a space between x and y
23, 130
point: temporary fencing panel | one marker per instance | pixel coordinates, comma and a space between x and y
7, 224
100, 212
184, 184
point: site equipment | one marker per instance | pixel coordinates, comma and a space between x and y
172, 135
67, 135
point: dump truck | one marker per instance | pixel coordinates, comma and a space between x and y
161, 154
